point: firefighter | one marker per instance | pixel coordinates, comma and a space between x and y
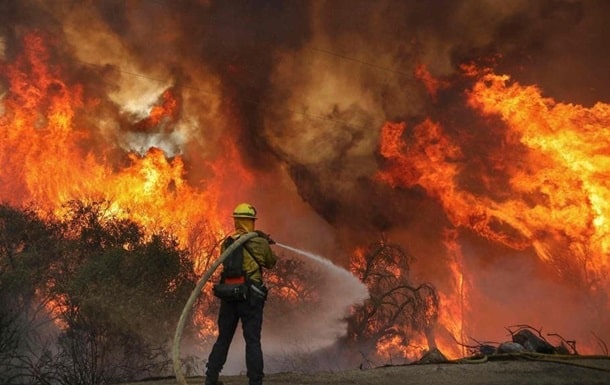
256, 255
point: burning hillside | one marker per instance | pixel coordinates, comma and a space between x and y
475, 134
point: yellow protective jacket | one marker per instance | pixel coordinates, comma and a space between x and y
260, 249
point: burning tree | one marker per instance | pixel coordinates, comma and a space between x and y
398, 312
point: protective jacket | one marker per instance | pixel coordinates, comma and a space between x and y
257, 254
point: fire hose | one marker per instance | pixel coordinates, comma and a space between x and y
566, 359
194, 294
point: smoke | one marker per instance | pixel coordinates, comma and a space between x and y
355, 73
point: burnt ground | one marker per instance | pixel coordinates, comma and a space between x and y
510, 370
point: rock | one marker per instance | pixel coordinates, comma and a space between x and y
487, 350
532, 342
510, 347
433, 356
562, 349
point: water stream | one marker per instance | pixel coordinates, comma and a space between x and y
340, 291
334, 269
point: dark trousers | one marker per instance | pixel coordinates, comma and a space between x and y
251, 315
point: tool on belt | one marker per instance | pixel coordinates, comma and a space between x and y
235, 283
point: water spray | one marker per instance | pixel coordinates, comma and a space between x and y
339, 291
323, 261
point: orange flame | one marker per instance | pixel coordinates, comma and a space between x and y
44, 158
556, 156
562, 170
159, 114
565, 165
432, 84
454, 305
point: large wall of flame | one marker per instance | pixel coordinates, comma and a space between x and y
283, 103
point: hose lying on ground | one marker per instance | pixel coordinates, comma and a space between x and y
194, 294
566, 359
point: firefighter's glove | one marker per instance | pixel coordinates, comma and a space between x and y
266, 236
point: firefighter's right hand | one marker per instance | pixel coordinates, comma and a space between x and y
266, 236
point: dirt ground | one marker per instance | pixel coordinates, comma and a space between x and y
504, 371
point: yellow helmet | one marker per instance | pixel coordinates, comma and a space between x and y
244, 210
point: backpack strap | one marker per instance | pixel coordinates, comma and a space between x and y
260, 267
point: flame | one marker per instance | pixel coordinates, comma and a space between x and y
44, 160
562, 171
565, 165
555, 201
166, 111
432, 84
454, 305
394, 347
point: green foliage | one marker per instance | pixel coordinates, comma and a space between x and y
120, 290
138, 291
115, 291
26, 252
